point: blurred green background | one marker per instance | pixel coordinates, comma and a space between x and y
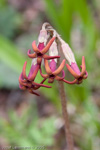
26, 120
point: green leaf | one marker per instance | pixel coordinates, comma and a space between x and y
10, 55
67, 13
52, 11
90, 31
9, 21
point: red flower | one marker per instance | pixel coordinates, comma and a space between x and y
53, 46
74, 70
52, 72
27, 82
39, 52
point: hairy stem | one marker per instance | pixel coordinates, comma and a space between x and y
69, 139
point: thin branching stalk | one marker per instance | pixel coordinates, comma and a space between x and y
69, 139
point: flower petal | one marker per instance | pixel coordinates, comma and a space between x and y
41, 85
60, 78
47, 68
35, 48
43, 75
22, 87
32, 92
86, 75
72, 71
48, 46
75, 68
83, 66
22, 81
31, 55
24, 70
59, 68
70, 82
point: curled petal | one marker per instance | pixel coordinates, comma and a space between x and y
22, 87
83, 66
50, 57
41, 85
35, 48
32, 92
48, 70
45, 85
57, 71
86, 75
60, 78
47, 46
24, 70
43, 75
29, 85
25, 84
72, 71
70, 82
31, 55
21, 79
22, 83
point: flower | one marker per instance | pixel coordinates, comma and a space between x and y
73, 68
27, 82
50, 41
52, 72
39, 52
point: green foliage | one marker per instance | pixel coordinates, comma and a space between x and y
10, 55
3, 3
63, 19
9, 21
27, 130
91, 126
8, 77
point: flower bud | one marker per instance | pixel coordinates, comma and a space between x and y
53, 50
68, 53
43, 37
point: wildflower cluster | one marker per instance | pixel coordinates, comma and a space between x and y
50, 42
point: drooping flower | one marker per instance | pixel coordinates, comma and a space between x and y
27, 82
72, 66
74, 70
51, 68
42, 49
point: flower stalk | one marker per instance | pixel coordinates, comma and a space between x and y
69, 139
